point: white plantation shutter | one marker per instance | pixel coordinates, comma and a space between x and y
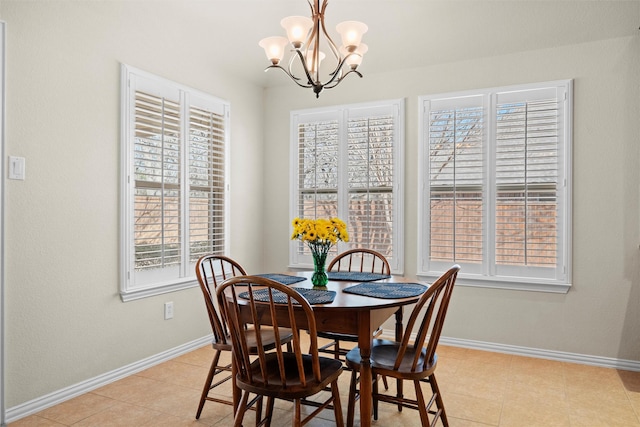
456, 169
157, 182
345, 162
528, 130
497, 186
317, 165
370, 169
174, 189
207, 140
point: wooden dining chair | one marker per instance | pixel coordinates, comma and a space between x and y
211, 271
410, 361
289, 375
364, 261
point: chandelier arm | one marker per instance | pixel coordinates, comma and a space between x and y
315, 58
307, 42
330, 42
342, 63
304, 67
290, 70
330, 86
294, 78
337, 73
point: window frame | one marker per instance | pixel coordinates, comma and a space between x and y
189, 98
343, 113
485, 275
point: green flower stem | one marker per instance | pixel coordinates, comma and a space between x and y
319, 252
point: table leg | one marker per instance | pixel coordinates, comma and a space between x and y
366, 390
364, 342
399, 326
399, 332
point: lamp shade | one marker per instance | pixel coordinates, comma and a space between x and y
297, 28
351, 33
307, 36
355, 58
312, 64
274, 48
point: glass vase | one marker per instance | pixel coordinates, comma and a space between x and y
319, 277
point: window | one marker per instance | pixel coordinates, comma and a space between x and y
174, 190
496, 193
347, 162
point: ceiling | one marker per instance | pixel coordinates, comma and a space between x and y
408, 33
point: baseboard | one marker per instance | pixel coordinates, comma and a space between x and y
51, 399
59, 396
605, 362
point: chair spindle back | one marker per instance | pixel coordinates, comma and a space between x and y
362, 260
239, 299
211, 271
436, 299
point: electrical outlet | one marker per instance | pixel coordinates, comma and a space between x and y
168, 310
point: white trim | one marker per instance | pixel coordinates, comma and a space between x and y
525, 284
2, 204
135, 294
28, 408
135, 284
488, 274
561, 356
62, 395
342, 114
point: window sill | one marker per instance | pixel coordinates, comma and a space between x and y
134, 294
530, 285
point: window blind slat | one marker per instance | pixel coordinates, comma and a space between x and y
527, 155
370, 166
361, 140
157, 163
456, 173
206, 180
156, 160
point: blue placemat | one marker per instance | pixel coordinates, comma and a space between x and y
356, 276
387, 290
283, 278
314, 296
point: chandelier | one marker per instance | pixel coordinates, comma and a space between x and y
308, 36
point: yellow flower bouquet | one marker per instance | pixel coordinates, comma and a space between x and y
320, 235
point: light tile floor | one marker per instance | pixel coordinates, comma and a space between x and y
479, 388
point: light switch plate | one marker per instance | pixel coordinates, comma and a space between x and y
16, 167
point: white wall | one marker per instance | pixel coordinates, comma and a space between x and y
65, 320
600, 316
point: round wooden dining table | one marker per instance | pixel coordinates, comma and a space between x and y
356, 315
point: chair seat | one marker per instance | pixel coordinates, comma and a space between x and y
268, 339
345, 337
383, 358
339, 337
330, 369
